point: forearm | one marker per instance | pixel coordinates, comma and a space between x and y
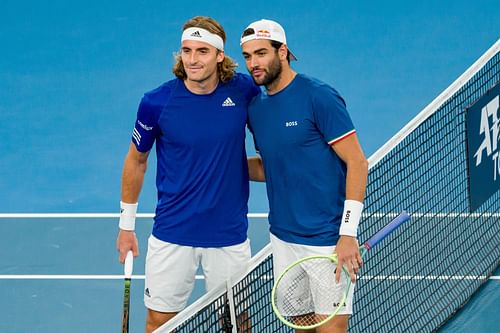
133, 176
347, 245
357, 173
356, 179
256, 169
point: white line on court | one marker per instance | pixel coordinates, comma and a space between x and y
73, 277
431, 277
89, 215
201, 277
249, 215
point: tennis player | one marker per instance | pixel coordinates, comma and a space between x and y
197, 121
310, 158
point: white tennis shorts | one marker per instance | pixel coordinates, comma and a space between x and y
171, 271
284, 254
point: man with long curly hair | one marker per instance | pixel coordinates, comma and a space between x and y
197, 121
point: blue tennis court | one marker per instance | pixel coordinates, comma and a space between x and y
71, 76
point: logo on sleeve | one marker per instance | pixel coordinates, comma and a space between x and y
136, 136
147, 128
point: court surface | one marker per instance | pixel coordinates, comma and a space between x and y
70, 80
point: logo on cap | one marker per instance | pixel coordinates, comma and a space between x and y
263, 33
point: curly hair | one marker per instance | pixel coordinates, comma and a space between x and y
225, 69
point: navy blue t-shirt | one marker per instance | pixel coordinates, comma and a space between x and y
293, 130
202, 173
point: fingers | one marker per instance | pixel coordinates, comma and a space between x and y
359, 259
121, 257
337, 272
135, 250
126, 241
123, 253
352, 271
356, 265
352, 266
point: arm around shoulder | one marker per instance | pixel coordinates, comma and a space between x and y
256, 169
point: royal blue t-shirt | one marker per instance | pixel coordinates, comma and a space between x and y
202, 173
305, 179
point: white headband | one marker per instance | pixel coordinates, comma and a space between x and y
203, 35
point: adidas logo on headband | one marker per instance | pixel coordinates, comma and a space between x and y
196, 34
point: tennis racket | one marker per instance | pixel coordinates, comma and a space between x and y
128, 267
306, 295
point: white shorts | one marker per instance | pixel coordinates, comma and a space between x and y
171, 271
284, 254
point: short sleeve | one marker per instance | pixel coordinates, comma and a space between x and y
146, 127
331, 116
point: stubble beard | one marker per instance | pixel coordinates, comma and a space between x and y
271, 74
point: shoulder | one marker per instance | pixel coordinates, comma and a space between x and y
245, 84
315, 84
319, 90
160, 95
241, 80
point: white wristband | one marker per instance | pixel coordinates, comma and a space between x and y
127, 216
351, 218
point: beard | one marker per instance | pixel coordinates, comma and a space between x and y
271, 74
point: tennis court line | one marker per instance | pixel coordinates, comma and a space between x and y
201, 277
249, 215
430, 277
73, 277
90, 215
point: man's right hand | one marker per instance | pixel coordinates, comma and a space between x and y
126, 241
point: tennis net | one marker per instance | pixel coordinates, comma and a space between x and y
428, 269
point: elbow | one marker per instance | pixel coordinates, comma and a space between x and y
359, 164
364, 164
143, 166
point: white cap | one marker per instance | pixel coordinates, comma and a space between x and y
267, 29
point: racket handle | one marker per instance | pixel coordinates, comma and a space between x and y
385, 231
129, 265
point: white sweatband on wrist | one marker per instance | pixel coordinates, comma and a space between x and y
127, 216
351, 218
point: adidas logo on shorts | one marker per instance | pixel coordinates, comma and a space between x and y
228, 102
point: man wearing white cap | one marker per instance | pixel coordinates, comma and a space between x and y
309, 156
197, 122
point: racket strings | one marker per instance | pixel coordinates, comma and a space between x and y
308, 294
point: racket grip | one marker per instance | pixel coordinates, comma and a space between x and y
129, 265
385, 231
